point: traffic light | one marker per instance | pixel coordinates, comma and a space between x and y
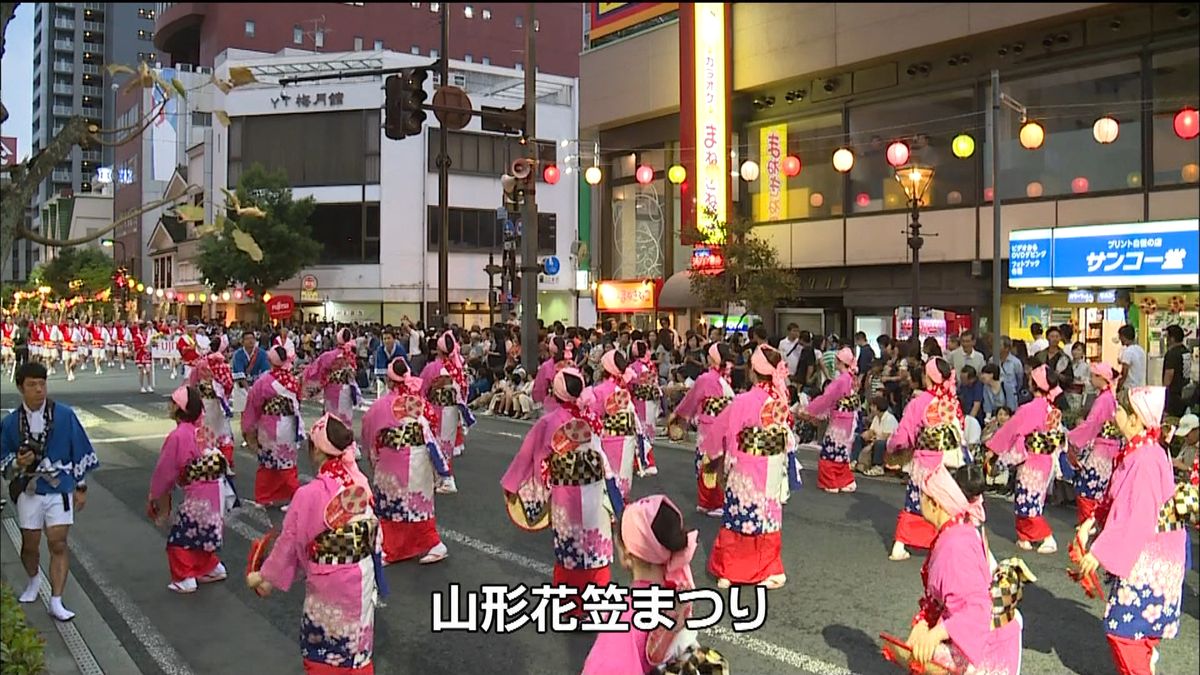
404, 95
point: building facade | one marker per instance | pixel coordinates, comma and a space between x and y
806, 80
485, 33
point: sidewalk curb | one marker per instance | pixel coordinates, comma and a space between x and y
86, 641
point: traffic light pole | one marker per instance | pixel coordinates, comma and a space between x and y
529, 212
443, 164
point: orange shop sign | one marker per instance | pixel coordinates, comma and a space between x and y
626, 296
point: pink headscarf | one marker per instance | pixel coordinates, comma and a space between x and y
943, 391
320, 439
277, 362
560, 383
847, 358
412, 384
929, 472
453, 361
637, 535
220, 371
180, 397
609, 361
1148, 404
714, 355
1039, 379
778, 374
1106, 371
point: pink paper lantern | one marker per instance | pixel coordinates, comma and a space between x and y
863, 199
791, 166
987, 194
644, 174
817, 200
897, 153
1079, 185
1187, 123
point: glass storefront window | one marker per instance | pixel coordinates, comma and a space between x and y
1176, 83
639, 214
1070, 161
928, 124
817, 191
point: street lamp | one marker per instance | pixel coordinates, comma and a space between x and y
915, 180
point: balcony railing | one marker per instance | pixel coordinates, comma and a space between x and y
91, 155
64, 67
63, 110
93, 26
64, 23
65, 89
90, 69
94, 6
93, 48
91, 113
60, 176
92, 91
64, 45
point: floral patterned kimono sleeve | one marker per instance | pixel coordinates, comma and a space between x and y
301, 524
315, 373
911, 422
1009, 441
959, 580
1087, 430
723, 435
822, 405
170, 462
1132, 518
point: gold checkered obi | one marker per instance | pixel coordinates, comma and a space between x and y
210, 466
851, 403
941, 437
1045, 442
404, 436
763, 441
279, 406
346, 545
714, 405
443, 396
341, 376
620, 424
645, 392
1111, 431
1181, 510
1008, 585
206, 390
583, 466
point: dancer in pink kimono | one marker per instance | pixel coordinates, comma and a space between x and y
271, 424
842, 405
214, 380
754, 437
190, 460
1031, 441
709, 395
1094, 444
444, 383
658, 551
646, 395
560, 478
1142, 542
407, 462
560, 357
932, 425
333, 373
330, 536
958, 625
612, 403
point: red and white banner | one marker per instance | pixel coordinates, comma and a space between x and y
8, 151
281, 306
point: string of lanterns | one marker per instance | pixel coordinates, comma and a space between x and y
1032, 136
171, 295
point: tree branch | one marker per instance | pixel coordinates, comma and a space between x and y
22, 233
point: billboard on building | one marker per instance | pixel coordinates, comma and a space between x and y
609, 17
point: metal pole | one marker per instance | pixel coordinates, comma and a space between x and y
914, 242
997, 254
529, 213
443, 162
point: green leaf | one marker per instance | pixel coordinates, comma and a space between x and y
240, 75
190, 213
117, 68
246, 243
179, 87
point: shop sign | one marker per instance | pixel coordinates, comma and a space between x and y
280, 306
707, 259
309, 282
310, 296
1162, 253
609, 17
625, 296
326, 99
703, 120
1090, 298
773, 194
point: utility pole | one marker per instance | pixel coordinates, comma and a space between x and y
997, 238
443, 164
529, 212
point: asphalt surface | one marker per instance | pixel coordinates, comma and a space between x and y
841, 591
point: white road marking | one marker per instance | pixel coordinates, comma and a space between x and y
156, 645
87, 419
506, 434
131, 414
126, 439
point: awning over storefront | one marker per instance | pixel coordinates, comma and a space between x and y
677, 292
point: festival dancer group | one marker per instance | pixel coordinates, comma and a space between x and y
68, 342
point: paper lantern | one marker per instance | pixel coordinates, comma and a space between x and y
963, 146
150, 291
225, 296
817, 200
954, 197
1079, 185
897, 154
1187, 123
593, 175
843, 160
644, 174
1033, 190
141, 287
158, 293
749, 171
863, 199
791, 166
237, 295
171, 295
1190, 172
1032, 136
266, 297
676, 174
191, 297
1105, 130
203, 297
1134, 179
550, 174
988, 193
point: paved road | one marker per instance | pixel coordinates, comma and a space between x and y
841, 593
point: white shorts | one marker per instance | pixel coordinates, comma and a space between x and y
36, 512
6, 351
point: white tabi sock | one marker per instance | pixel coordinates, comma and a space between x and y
31, 591
58, 611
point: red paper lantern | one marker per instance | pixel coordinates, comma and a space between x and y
644, 174
550, 174
1079, 185
863, 199
791, 166
237, 295
897, 153
987, 194
1187, 123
